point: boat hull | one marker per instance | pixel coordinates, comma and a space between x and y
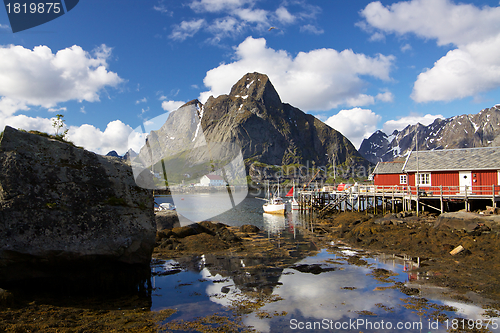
274, 209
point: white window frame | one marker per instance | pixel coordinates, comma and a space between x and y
403, 179
424, 179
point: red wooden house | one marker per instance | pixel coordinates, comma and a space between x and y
446, 171
390, 174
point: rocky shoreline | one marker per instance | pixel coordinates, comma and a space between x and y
430, 238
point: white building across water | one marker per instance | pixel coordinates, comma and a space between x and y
212, 180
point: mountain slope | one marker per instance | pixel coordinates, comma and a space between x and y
270, 131
252, 117
465, 131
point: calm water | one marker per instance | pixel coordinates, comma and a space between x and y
343, 296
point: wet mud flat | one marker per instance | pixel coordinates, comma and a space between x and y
271, 259
421, 239
34, 310
429, 238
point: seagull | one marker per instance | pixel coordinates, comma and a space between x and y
271, 28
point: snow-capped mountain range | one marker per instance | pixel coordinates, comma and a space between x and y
465, 131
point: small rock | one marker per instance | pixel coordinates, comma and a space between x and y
314, 268
249, 228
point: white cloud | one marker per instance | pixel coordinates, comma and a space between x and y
162, 8
172, 105
9, 106
64, 109
462, 72
385, 97
226, 26
468, 70
406, 47
364, 100
355, 124
435, 19
284, 15
187, 29
252, 15
39, 77
377, 37
360, 100
311, 29
28, 123
143, 100
114, 137
412, 119
231, 18
218, 5
316, 80
4, 26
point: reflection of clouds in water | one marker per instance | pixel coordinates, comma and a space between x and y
316, 297
260, 325
349, 253
468, 311
311, 297
214, 290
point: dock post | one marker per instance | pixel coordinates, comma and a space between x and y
409, 200
392, 201
493, 196
350, 198
466, 200
375, 202
383, 202
441, 198
418, 201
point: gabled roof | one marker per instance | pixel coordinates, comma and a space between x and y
388, 167
214, 177
485, 158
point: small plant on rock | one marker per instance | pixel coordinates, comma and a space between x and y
58, 125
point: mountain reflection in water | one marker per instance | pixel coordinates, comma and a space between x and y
337, 284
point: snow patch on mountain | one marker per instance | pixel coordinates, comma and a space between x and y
464, 131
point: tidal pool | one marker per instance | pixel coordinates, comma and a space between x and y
339, 289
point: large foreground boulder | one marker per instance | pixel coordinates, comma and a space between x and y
65, 209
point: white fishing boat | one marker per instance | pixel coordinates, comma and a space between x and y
274, 204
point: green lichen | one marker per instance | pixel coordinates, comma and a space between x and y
114, 201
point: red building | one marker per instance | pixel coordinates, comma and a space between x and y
390, 174
446, 171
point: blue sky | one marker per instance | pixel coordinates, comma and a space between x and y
109, 65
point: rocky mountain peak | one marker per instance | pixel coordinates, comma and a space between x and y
194, 102
464, 131
253, 118
258, 86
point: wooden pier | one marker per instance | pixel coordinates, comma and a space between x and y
382, 199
